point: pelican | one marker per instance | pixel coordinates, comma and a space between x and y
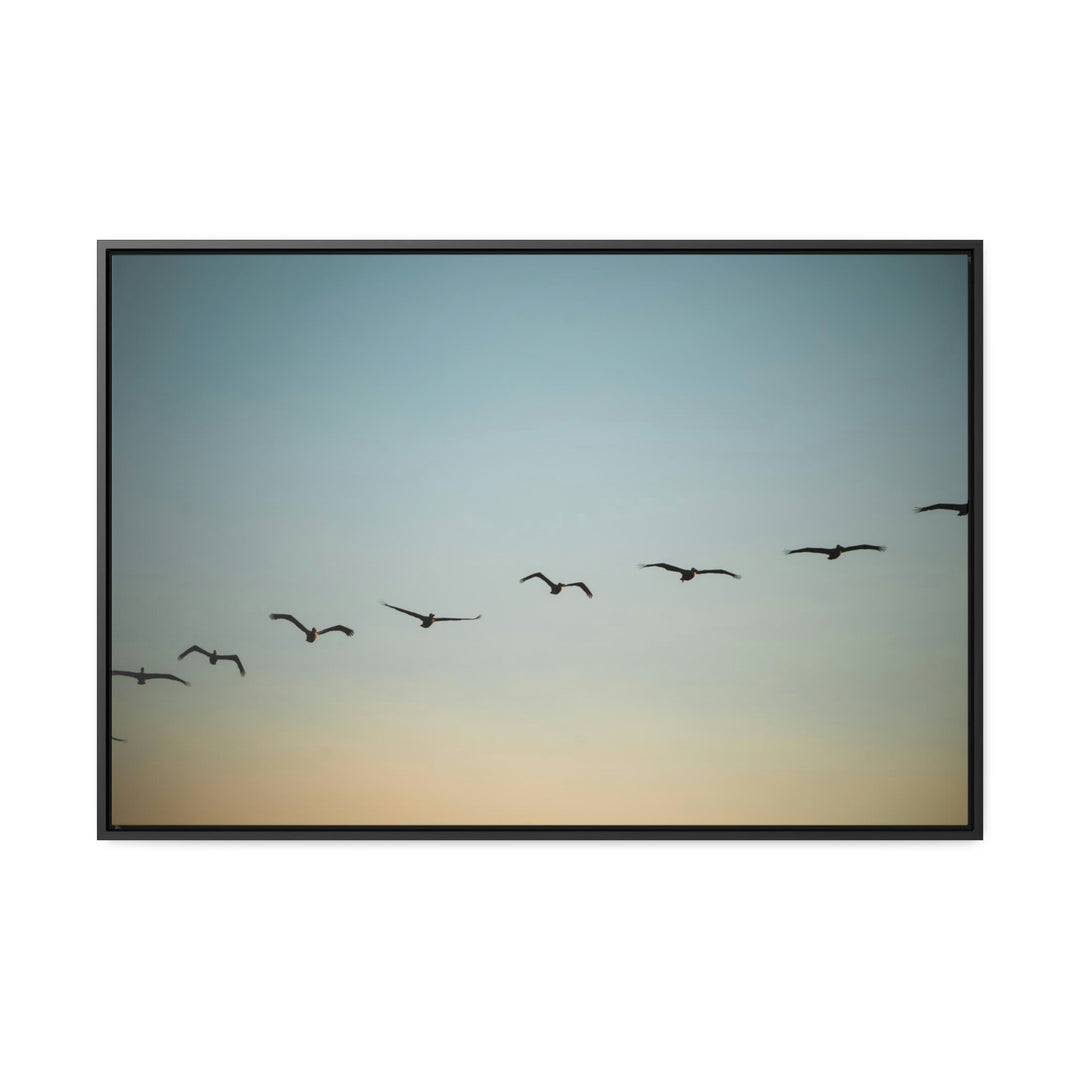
213, 657
687, 575
836, 552
427, 620
142, 675
960, 508
311, 634
558, 588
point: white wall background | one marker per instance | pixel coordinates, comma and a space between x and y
592, 119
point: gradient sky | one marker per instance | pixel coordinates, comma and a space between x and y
316, 433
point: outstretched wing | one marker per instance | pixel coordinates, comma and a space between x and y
941, 506
542, 577
194, 648
728, 572
129, 674
175, 678
448, 618
344, 629
663, 566
236, 660
581, 585
294, 620
865, 547
404, 611
816, 551
117, 739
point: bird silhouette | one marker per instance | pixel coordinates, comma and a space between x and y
142, 676
116, 738
558, 588
836, 552
960, 508
213, 656
687, 575
310, 635
427, 620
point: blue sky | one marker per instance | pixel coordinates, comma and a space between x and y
317, 433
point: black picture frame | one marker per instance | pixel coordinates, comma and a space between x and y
973, 830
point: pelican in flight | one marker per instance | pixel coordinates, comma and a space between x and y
960, 508
142, 675
310, 635
427, 620
558, 588
836, 552
687, 575
213, 657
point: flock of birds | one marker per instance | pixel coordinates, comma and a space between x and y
311, 634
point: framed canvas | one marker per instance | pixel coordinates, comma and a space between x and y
585, 539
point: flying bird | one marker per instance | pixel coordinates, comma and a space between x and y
310, 635
427, 620
213, 657
558, 588
687, 575
117, 739
141, 676
960, 508
836, 552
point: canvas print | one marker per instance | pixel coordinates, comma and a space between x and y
532, 538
